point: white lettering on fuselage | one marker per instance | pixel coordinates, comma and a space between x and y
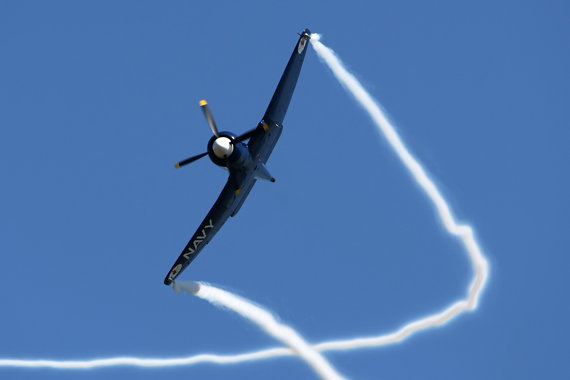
196, 242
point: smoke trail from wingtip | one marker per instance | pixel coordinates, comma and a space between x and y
297, 345
464, 232
265, 321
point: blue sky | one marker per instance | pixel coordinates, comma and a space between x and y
98, 100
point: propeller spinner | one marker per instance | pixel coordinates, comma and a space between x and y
223, 147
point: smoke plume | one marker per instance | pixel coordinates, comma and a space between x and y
295, 343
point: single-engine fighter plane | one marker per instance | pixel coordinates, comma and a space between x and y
245, 162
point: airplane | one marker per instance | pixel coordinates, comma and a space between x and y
245, 162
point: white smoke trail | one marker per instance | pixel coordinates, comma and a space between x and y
480, 265
463, 231
264, 320
297, 346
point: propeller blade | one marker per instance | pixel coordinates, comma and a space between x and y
189, 160
209, 117
245, 136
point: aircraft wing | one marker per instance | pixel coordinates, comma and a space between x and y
269, 129
218, 215
260, 146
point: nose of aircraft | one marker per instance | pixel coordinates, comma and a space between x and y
222, 147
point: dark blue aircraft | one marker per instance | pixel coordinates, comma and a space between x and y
245, 162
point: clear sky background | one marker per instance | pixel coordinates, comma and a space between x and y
98, 100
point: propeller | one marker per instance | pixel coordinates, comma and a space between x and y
227, 144
209, 117
245, 136
213, 127
189, 160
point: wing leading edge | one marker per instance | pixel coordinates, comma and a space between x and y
284, 91
215, 219
269, 129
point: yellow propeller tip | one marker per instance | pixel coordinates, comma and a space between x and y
203, 103
177, 166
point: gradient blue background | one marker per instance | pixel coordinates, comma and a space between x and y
98, 100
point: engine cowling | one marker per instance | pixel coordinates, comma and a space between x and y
223, 150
